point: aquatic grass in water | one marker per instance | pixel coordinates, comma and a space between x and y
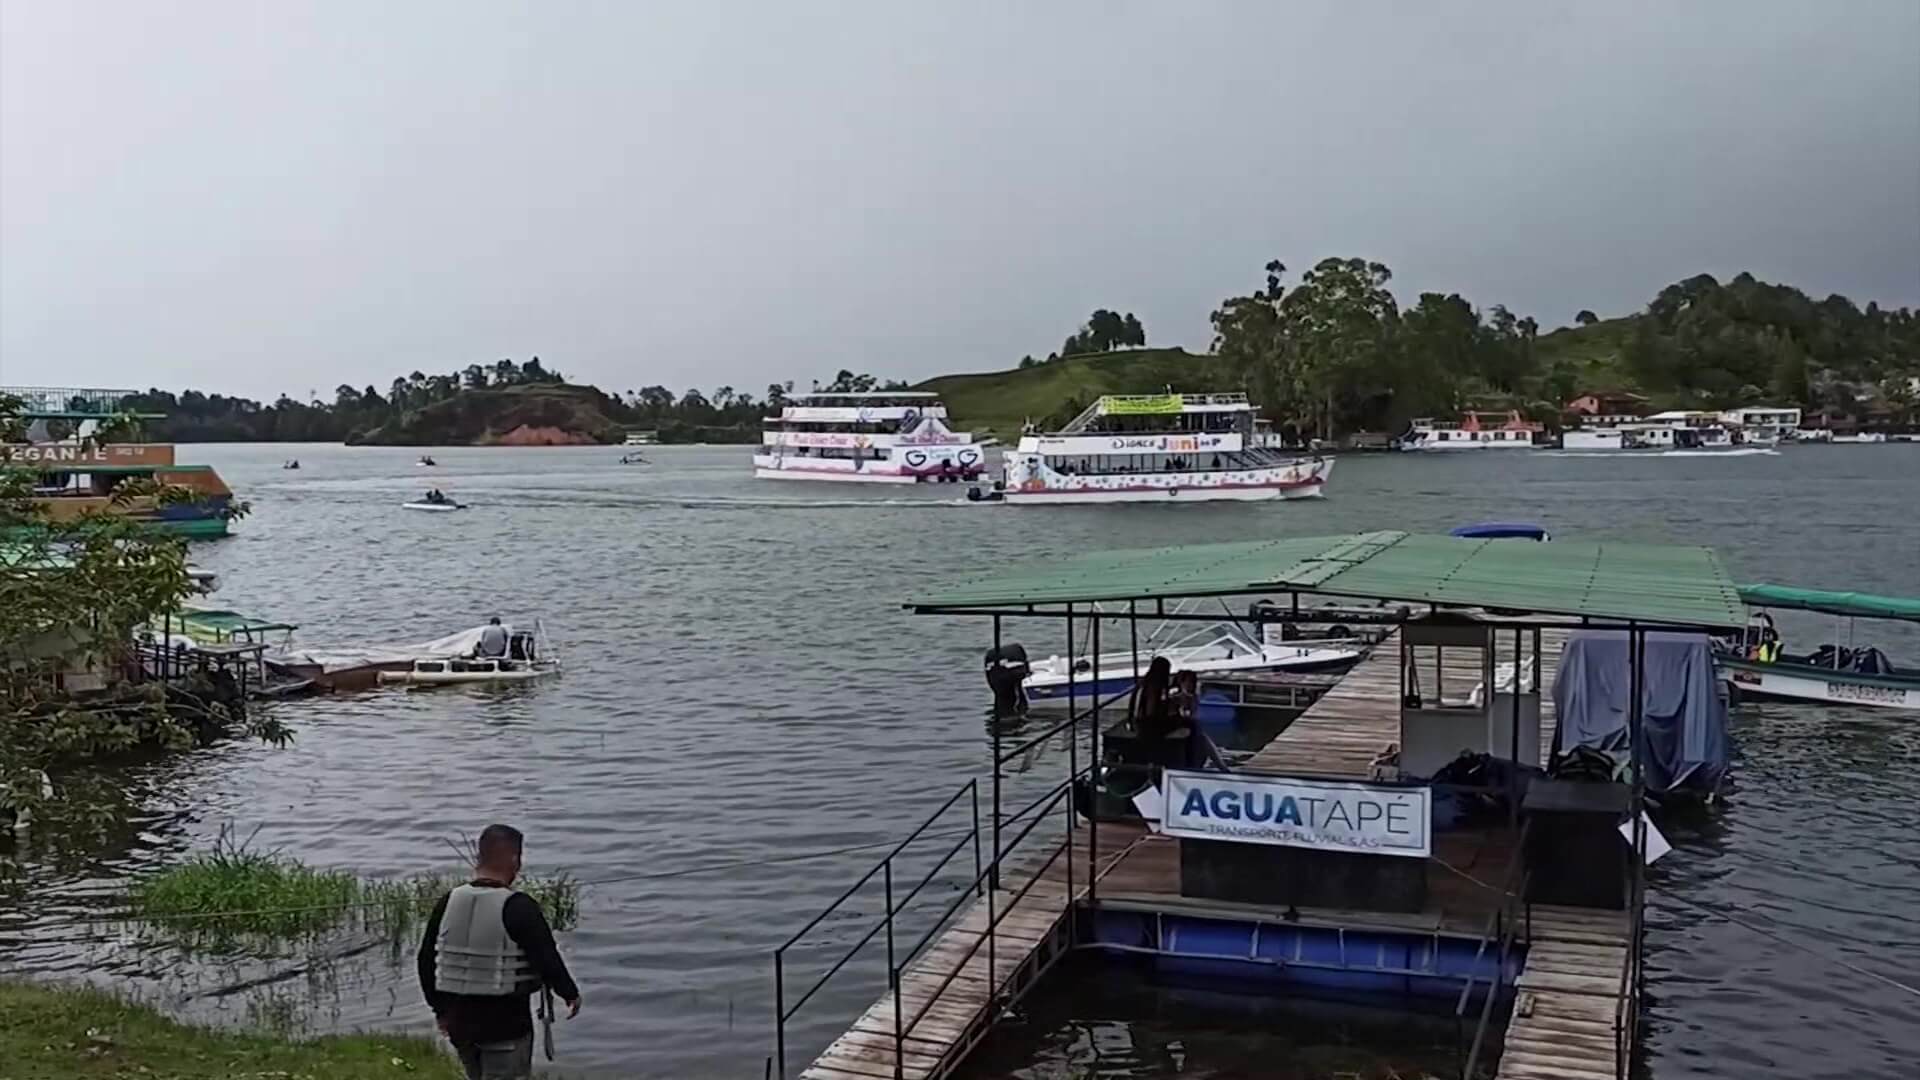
234, 899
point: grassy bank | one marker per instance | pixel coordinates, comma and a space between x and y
1000, 401
52, 1033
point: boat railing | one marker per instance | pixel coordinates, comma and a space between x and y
1510, 918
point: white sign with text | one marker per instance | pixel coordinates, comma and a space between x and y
1328, 815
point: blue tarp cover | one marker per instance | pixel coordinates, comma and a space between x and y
1502, 530
1685, 714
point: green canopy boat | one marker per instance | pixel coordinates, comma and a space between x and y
1838, 673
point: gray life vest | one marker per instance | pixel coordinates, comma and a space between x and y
473, 954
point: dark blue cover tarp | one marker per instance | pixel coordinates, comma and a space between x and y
1685, 713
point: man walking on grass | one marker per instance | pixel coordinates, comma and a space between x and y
486, 950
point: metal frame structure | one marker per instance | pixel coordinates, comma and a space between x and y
1509, 923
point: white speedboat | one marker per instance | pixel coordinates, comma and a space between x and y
1159, 448
441, 505
471, 670
525, 661
1211, 650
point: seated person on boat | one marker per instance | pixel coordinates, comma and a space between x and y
493, 641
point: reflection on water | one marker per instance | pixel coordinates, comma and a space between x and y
1102, 1017
742, 685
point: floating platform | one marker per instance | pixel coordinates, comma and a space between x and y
1568, 970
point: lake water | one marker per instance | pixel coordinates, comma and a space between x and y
743, 685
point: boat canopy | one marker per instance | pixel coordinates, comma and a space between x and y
1857, 604
1501, 530
1628, 583
224, 623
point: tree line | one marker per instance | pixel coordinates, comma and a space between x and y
722, 414
1104, 331
1334, 352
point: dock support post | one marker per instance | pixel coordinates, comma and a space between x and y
780, 1012
893, 974
1093, 819
973, 789
993, 870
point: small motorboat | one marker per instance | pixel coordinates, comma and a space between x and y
523, 663
634, 459
998, 493
470, 670
291, 465
1211, 650
435, 501
426, 461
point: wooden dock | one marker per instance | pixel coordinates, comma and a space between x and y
1344, 732
1031, 934
1568, 1005
1569, 1010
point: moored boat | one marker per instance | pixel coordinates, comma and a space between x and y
1215, 649
1473, 431
1160, 448
1836, 673
884, 437
524, 661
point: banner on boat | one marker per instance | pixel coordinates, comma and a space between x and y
1327, 815
73, 453
1144, 405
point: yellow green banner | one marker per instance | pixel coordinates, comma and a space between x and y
1151, 405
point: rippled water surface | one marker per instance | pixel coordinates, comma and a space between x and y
743, 685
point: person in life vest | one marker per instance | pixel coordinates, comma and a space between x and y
486, 950
1768, 649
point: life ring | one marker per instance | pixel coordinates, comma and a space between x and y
1173, 491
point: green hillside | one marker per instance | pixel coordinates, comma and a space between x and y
1001, 401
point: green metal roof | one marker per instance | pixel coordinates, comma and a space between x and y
1856, 604
1617, 581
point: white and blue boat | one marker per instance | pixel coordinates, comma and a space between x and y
1212, 649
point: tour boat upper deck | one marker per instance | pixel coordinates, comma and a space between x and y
889, 436
1161, 447
78, 472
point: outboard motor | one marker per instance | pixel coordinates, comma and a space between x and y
1007, 672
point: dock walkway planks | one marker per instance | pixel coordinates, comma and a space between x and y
1029, 937
1342, 733
1569, 1000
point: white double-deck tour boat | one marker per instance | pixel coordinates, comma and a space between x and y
887, 437
1476, 431
1161, 448
1668, 431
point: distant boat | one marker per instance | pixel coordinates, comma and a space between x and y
291, 464
433, 502
634, 459
426, 461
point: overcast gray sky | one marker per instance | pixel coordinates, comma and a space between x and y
267, 197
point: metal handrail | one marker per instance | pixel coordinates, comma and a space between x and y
1072, 720
1503, 924
884, 868
987, 935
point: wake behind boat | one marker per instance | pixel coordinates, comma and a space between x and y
1160, 448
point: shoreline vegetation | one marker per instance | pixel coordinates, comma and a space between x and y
230, 898
81, 1032
1328, 355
